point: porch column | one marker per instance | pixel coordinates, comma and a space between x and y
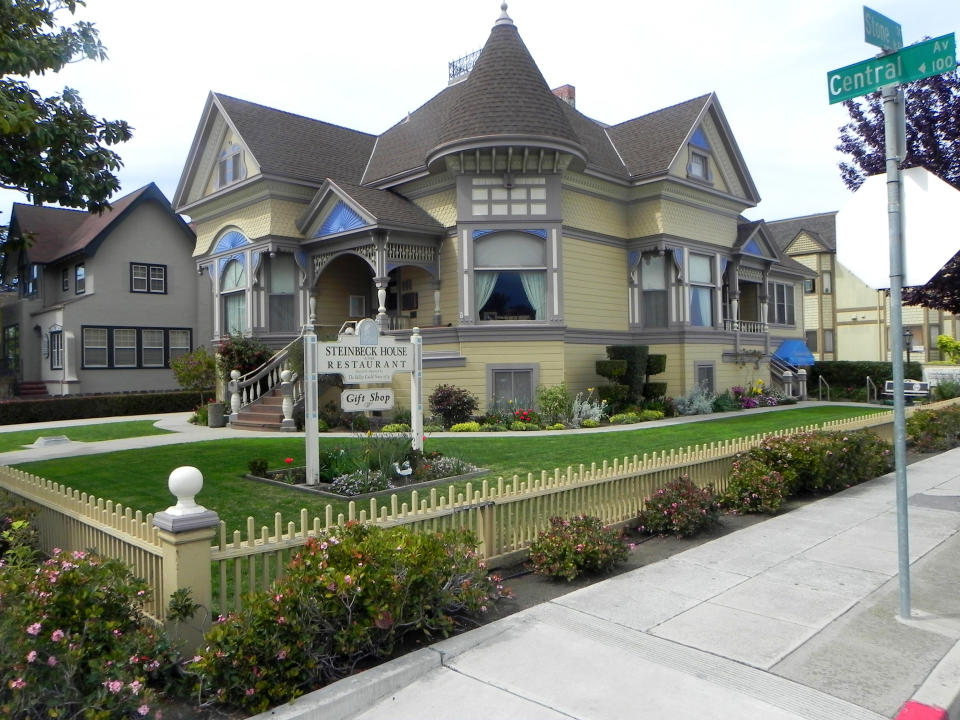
382, 320
436, 302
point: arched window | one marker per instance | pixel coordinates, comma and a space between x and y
510, 276
233, 286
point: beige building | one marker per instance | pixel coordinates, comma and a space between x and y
844, 318
518, 233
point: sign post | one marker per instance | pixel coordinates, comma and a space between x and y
885, 73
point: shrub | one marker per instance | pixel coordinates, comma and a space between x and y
725, 402
466, 427
571, 548
402, 416
624, 418
395, 428
825, 462
557, 426
241, 353
654, 390
521, 426
258, 466
432, 428
946, 390
452, 404
588, 423
636, 373
359, 482
950, 348
201, 415
554, 403
648, 415
753, 487
15, 524
697, 402
680, 508
92, 406
587, 408
353, 595
493, 427
196, 370
615, 397
74, 641
933, 430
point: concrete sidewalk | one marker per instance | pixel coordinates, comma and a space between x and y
791, 618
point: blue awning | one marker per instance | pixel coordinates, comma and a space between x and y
795, 352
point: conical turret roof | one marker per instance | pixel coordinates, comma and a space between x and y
505, 99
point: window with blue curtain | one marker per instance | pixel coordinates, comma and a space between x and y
701, 290
510, 276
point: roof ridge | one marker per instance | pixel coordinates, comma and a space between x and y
292, 114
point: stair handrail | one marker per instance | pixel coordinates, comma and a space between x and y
872, 390
778, 369
821, 383
247, 389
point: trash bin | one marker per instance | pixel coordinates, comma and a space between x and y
215, 415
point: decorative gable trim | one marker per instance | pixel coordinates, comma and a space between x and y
341, 219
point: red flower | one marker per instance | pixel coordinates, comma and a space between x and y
288, 461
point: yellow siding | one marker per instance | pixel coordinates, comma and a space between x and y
860, 341
209, 166
442, 207
449, 289
596, 214
580, 366
804, 243
254, 221
421, 283
343, 277
645, 218
725, 174
683, 220
595, 285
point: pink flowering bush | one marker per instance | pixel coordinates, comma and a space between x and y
933, 430
353, 596
826, 462
681, 508
753, 487
74, 642
575, 547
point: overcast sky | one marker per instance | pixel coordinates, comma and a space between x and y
364, 64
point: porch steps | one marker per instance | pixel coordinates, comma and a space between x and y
32, 390
265, 413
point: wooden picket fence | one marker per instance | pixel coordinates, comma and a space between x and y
505, 515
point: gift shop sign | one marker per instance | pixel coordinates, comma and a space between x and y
367, 399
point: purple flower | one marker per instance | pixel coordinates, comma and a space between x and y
33, 629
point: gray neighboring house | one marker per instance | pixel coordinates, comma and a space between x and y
104, 301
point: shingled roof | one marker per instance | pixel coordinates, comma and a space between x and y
388, 208
296, 146
55, 233
648, 144
506, 96
822, 226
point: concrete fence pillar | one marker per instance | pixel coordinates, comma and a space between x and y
802, 383
186, 534
788, 383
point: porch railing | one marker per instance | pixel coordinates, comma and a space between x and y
275, 373
747, 326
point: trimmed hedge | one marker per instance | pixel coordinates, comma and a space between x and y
94, 406
853, 373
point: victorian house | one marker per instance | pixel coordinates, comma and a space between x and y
518, 233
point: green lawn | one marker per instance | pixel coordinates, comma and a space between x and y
138, 478
16, 439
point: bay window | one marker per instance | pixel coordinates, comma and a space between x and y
510, 276
233, 296
781, 304
653, 284
282, 279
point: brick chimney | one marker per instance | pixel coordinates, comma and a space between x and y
567, 93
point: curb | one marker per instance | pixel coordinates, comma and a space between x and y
938, 698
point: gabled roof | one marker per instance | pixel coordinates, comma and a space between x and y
386, 208
751, 230
822, 226
55, 234
296, 146
648, 144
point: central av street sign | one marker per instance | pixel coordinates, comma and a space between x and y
931, 57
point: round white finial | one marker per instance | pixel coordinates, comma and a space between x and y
234, 374
285, 375
504, 19
184, 483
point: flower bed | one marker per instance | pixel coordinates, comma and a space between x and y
324, 489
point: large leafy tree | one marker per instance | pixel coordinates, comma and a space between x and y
51, 148
933, 142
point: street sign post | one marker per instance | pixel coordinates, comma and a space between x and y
914, 62
881, 31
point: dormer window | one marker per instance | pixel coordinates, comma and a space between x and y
230, 167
